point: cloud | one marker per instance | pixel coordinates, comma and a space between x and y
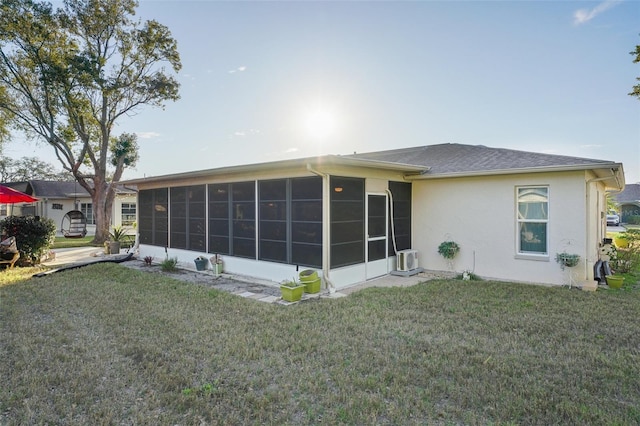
591, 146
243, 133
291, 150
239, 69
147, 135
582, 16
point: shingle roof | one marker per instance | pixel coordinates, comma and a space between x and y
423, 162
18, 186
631, 193
452, 158
56, 189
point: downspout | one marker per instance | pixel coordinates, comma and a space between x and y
393, 228
589, 268
326, 222
588, 265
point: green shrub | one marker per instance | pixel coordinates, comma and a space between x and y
448, 249
633, 219
628, 258
34, 236
170, 264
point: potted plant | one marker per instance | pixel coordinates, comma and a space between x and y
291, 291
567, 260
449, 250
614, 281
311, 281
620, 240
216, 263
201, 263
117, 236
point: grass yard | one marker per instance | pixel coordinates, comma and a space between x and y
109, 345
62, 242
87, 241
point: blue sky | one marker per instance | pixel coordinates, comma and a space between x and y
264, 81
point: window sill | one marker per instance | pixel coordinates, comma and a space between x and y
536, 257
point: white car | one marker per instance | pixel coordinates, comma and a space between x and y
613, 220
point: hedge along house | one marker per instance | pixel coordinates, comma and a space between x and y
510, 212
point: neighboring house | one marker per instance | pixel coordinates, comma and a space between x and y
510, 211
55, 199
17, 208
629, 202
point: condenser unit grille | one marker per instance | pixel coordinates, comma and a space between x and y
407, 260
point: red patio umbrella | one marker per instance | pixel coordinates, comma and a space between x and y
11, 196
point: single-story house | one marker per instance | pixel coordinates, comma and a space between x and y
57, 198
629, 202
354, 217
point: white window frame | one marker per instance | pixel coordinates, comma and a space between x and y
123, 215
84, 208
529, 254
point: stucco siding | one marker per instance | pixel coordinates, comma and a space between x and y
480, 215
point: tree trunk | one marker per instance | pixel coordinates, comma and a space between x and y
102, 196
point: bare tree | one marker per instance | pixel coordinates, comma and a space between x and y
30, 168
67, 75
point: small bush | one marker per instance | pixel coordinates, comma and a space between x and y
170, 264
34, 236
628, 258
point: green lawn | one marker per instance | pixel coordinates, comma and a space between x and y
62, 242
109, 345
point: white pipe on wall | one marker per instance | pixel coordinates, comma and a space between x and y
326, 221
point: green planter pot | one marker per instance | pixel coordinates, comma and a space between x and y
217, 268
308, 275
312, 283
201, 264
614, 281
313, 286
114, 247
291, 294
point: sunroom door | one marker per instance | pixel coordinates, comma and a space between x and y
376, 248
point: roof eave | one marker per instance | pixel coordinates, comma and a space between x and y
615, 177
327, 160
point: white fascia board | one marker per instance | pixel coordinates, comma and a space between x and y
615, 172
300, 163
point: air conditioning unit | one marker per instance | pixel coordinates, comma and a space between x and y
407, 260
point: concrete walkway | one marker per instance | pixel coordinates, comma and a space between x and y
74, 255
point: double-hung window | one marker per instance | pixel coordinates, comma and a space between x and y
87, 211
533, 220
128, 212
